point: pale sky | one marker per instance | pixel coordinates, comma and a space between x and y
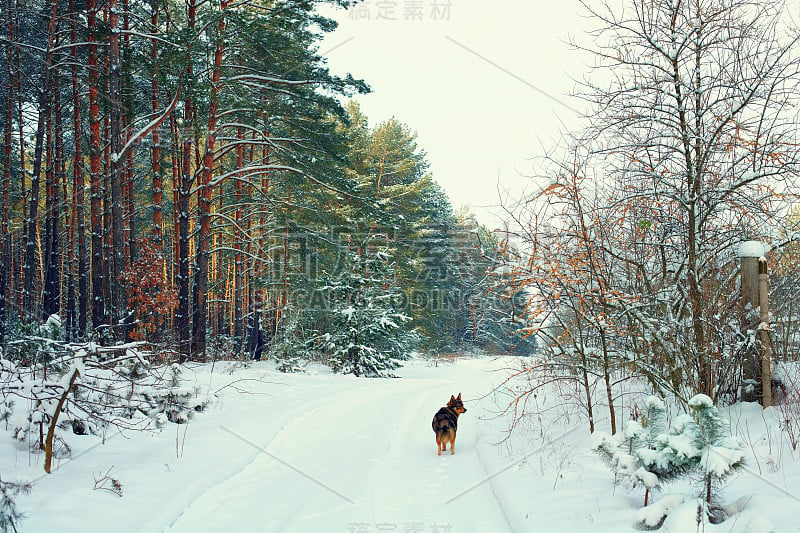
466, 76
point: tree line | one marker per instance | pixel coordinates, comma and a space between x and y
186, 173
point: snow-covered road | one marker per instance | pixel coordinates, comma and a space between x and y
320, 452
357, 458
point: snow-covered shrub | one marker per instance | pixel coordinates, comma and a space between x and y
221, 347
117, 385
5, 411
652, 516
291, 364
9, 515
787, 402
291, 348
32, 343
175, 401
51, 329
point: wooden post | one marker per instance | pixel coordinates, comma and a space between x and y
764, 330
749, 252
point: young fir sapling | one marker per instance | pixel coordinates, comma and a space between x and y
652, 452
720, 454
639, 455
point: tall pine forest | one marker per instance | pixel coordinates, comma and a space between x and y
191, 175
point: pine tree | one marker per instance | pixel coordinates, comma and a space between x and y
367, 337
696, 442
721, 454
10, 516
653, 452
641, 453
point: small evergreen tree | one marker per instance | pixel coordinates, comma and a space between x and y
367, 336
641, 454
294, 346
720, 453
653, 452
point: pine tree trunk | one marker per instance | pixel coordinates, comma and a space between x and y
29, 266
177, 165
30, 302
49, 204
107, 258
182, 315
70, 305
51, 295
77, 218
158, 185
158, 182
60, 207
205, 196
22, 158
238, 259
182, 322
96, 184
66, 262
128, 119
5, 186
118, 303
223, 297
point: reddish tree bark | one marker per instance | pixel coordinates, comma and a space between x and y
158, 185
205, 195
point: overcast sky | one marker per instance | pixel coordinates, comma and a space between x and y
472, 78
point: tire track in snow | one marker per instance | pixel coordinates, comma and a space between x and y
418, 482
297, 409
489, 480
371, 442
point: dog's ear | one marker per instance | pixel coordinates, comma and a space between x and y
459, 396
452, 398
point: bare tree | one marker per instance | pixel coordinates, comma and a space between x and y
696, 128
690, 147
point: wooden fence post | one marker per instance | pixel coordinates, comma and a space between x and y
757, 357
764, 330
749, 253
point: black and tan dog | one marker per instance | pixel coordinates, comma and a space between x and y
445, 424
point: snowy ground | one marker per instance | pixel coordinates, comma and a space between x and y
329, 453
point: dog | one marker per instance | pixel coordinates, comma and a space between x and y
445, 424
